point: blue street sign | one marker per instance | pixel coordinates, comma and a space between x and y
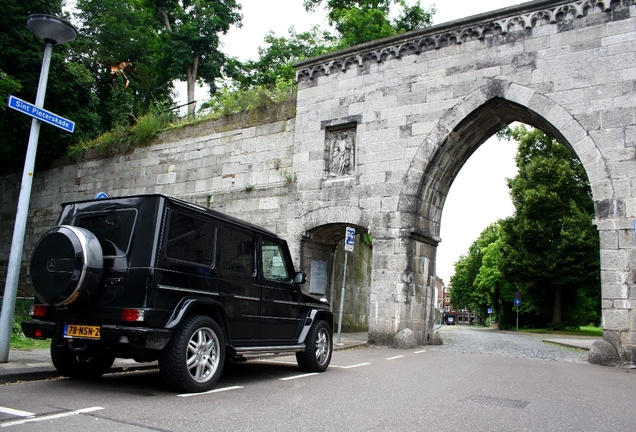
350, 239
517, 302
489, 310
101, 195
40, 114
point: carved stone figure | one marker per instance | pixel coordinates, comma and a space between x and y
342, 152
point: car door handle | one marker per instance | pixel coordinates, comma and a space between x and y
227, 295
266, 299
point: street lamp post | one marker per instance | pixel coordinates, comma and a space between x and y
52, 31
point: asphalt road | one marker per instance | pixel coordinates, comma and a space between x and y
510, 385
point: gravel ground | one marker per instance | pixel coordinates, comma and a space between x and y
477, 340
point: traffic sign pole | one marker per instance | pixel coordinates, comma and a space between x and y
344, 278
17, 243
350, 237
517, 303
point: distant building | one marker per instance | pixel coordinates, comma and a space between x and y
452, 315
439, 303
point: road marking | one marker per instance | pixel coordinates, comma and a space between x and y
51, 417
16, 412
298, 376
276, 361
219, 390
396, 357
350, 366
419, 352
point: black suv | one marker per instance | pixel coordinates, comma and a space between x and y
152, 277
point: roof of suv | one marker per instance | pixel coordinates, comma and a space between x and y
191, 206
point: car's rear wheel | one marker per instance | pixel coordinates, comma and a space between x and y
66, 266
78, 365
193, 359
318, 348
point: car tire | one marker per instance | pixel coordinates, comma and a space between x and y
193, 359
78, 365
318, 348
66, 266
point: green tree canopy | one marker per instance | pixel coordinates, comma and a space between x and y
359, 21
121, 34
190, 39
477, 283
277, 58
550, 247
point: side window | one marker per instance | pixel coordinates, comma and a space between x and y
237, 251
190, 239
274, 267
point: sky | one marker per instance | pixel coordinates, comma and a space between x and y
479, 195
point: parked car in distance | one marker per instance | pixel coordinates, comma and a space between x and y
152, 277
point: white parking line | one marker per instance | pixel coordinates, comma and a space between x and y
51, 417
298, 376
419, 352
396, 357
219, 390
16, 412
277, 362
350, 366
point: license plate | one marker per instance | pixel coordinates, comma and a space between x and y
81, 331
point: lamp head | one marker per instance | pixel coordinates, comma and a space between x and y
51, 29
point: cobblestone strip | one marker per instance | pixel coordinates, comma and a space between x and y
491, 342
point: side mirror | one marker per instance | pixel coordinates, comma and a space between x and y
300, 278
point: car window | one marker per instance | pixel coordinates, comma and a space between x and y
237, 251
273, 259
113, 228
190, 239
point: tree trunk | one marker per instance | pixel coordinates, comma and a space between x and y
556, 314
191, 81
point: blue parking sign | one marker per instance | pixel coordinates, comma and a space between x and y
350, 239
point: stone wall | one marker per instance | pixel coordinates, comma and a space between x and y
239, 165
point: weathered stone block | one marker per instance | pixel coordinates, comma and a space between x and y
603, 353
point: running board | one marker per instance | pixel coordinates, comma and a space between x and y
270, 349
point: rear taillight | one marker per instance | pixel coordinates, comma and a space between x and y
132, 315
38, 333
37, 311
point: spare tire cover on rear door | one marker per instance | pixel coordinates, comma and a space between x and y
66, 266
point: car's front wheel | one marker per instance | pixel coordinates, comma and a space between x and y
193, 359
79, 365
318, 348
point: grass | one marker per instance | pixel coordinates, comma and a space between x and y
123, 139
18, 339
581, 331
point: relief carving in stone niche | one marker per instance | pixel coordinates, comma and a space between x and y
342, 152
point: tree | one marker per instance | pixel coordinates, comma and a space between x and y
550, 247
359, 21
277, 58
190, 39
120, 44
477, 283
68, 92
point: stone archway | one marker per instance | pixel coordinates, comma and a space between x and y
322, 257
468, 125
